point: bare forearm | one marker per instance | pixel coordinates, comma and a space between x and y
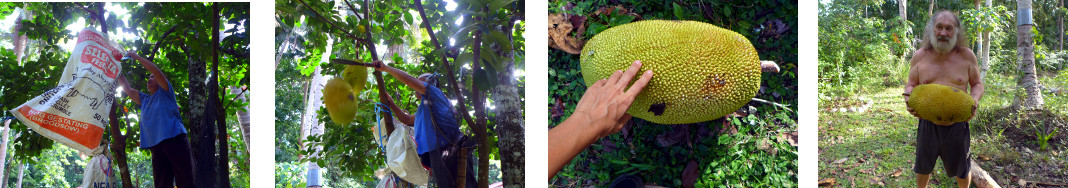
401, 115
568, 140
152, 68
977, 91
407, 79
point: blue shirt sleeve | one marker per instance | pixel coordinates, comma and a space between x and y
143, 99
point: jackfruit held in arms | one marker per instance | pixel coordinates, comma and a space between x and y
941, 104
339, 100
702, 72
356, 76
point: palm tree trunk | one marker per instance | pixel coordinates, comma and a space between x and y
310, 123
1026, 55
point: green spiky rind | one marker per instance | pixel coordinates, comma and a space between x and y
702, 72
940, 103
339, 101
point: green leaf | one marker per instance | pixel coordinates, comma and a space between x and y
408, 17
498, 4
500, 39
680, 13
397, 58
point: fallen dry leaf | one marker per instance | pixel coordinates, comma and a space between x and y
790, 137
896, 173
840, 160
689, 175
560, 27
558, 108
827, 182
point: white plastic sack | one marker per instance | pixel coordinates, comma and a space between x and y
387, 182
380, 134
75, 112
402, 158
98, 171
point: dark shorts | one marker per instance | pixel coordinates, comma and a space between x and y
951, 143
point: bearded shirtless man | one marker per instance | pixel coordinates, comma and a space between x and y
944, 59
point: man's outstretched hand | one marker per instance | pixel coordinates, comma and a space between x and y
379, 66
602, 111
606, 101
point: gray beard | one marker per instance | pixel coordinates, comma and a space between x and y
944, 47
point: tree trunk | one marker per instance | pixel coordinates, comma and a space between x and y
203, 132
3, 146
1025, 50
930, 10
242, 113
984, 55
22, 169
477, 99
981, 178
220, 122
19, 41
1060, 27
902, 7
510, 125
310, 122
118, 143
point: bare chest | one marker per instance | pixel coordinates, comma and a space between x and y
946, 72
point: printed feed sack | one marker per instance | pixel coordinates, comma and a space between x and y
75, 112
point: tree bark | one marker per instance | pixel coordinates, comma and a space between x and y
1060, 27
19, 41
1025, 50
981, 178
902, 7
203, 132
118, 143
510, 125
22, 169
220, 121
310, 123
242, 113
3, 148
480, 113
984, 55
930, 10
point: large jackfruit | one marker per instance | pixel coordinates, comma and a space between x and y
339, 100
356, 76
702, 72
941, 104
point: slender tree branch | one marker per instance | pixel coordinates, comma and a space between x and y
161, 39
233, 52
378, 74
353, 9
346, 33
347, 62
227, 105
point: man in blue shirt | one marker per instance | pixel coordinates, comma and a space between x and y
162, 131
436, 128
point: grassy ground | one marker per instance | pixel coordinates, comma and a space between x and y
877, 147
